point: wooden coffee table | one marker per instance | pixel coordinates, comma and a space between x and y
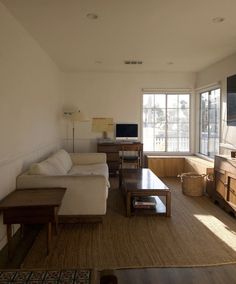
32, 206
143, 182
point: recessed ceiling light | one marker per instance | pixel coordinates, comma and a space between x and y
217, 20
92, 16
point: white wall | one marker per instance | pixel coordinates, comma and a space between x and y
117, 95
30, 103
218, 72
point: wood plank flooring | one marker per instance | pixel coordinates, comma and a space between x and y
224, 274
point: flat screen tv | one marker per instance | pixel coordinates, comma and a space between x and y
126, 131
231, 100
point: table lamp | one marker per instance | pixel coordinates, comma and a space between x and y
102, 124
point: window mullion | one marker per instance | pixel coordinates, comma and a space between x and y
208, 127
177, 110
166, 128
153, 125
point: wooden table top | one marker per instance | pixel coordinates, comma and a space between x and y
142, 179
33, 197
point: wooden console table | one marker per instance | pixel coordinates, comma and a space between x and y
112, 150
32, 206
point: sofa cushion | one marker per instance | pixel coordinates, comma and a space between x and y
88, 158
86, 170
64, 158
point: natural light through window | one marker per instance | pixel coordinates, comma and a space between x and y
219, 229
166, 122
210, 123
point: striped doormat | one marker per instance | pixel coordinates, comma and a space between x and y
70, 276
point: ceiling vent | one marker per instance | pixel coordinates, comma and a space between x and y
133, 62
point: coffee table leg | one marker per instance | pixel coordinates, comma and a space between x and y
49, 236
128, 204
168, 204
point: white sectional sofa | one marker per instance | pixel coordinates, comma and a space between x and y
85, 175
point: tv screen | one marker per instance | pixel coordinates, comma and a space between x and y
126, 131
231, 100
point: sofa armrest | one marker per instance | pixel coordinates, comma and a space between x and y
88, 158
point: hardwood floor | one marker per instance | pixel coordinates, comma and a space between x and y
224, 274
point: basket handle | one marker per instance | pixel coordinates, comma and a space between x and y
195, 175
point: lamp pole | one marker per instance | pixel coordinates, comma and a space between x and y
76, 116
73, 134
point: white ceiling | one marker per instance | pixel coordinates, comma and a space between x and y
158, 32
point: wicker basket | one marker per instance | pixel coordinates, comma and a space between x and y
192, 184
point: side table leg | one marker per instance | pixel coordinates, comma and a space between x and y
168, 204
22, 230
9, 243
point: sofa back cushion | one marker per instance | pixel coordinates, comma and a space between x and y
45, 168
64, 158
58, 164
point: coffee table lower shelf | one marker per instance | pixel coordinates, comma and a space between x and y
159, 209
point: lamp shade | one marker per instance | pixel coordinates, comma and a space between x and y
78, 116
101, 124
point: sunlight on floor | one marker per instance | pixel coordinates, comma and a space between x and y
222, 231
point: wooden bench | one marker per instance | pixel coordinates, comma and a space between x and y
172, 166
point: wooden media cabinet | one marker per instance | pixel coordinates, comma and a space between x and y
225, 183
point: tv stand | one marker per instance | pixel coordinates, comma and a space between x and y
113, 149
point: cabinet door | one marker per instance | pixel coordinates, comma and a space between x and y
231, 194
220, 183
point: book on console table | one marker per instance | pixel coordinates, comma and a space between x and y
146, 202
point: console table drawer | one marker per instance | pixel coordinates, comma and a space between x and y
107, 148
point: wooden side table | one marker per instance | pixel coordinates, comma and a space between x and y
32, 206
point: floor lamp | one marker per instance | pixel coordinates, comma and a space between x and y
76, 116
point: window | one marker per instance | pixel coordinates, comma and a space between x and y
166, 122
209, 123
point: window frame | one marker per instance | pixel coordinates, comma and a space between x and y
200, 93
172, 92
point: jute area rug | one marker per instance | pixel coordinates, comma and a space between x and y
198, 233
